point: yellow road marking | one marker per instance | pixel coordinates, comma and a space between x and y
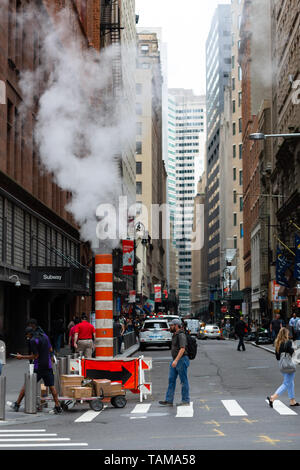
250, 421
215, 423
219, 432
268, 440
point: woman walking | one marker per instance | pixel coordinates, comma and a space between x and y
284, 345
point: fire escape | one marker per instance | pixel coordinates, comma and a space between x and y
110, 35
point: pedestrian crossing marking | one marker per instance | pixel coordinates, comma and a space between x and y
146, 410
141, 408
89, 416
185, 411
233, 408
34, 438
282, 409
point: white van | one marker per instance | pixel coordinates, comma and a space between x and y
192, 325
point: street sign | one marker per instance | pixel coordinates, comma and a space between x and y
129, 372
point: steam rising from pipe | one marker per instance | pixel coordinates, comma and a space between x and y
80, 129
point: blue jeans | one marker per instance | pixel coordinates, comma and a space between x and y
181, 370
287, 385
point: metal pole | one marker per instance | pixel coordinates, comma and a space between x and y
2, 397
30, 393
63, 365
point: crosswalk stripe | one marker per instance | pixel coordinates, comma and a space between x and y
21, 430
234, 408
141, 408
42, 439
26, 435
185, 411
66, 444
88, 416
282, 409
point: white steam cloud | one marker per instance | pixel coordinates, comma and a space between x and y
80, 129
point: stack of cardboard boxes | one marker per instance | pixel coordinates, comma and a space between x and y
71, 386
107, 388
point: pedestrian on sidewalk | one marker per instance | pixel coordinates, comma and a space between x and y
275, 326
58, 331
178, 366
118, 333
72, 334
41, 355
240, 329
284, 345
85, 334
292, 323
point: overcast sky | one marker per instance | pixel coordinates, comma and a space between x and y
185, 26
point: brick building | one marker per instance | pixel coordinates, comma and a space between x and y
285, 179
256, 117
40, 246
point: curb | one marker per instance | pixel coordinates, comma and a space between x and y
261, 347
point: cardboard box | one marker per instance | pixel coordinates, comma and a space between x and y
82, 392
116, 389
69, 381
102, 386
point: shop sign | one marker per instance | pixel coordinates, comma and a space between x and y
59, 278
157, 293
128, 257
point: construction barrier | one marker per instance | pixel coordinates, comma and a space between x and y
104, 306
130, 372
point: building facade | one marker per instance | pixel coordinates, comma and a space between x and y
285, 164
41, 254
150, 169
257, 156
218, 70
187, 126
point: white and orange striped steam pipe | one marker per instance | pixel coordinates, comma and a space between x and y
104, 306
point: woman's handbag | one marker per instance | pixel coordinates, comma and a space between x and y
286, 363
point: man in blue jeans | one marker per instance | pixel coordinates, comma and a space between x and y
178, 366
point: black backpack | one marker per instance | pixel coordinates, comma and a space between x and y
191, 347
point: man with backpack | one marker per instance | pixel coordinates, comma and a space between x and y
178, 366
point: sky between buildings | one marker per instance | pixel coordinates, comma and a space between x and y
185, 27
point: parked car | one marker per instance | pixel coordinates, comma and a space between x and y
212, 332
201, 332
192, 325
155, 333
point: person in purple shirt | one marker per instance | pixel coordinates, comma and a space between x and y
41, 350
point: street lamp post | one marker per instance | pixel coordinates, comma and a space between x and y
261, 136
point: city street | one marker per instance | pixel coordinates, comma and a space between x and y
228, 410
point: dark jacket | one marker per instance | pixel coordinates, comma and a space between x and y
240, 328
285, 347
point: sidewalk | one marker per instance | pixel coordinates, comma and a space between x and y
15, 371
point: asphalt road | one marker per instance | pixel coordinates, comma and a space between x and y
228, 411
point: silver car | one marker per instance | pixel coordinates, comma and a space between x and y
211, 331
155, 333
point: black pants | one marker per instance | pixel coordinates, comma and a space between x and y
241, 343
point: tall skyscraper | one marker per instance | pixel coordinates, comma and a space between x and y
185, 163
218, 69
